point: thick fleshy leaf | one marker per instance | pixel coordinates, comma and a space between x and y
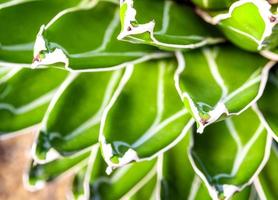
167, 25
250, 24
21, 21
147, 191
77, 189
24, 96
266, 184
214, 4
217, 81
266, 103
123, 183
73, 118
177, 178
145, 116
86, 40
230, 154
39, 174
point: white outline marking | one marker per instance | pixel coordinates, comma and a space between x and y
130, 17
259, 189
264, 9
220, 107
51, 154
229, 190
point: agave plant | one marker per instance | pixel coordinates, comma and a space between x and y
141, 99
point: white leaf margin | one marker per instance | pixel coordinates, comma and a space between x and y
118, 174
51, 154
24, 108
58, 55
230, 190
270, 55
130, 155
264, 9
220, 107
69, 172
13, 3
129, 30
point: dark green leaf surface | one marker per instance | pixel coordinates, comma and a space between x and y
145, 115
147, 191
86, 39
21, 22
270, 96
122, 183
25, 95
167, 25
216, 81
77, 189
266, 184
73, 117
115, 87
40, 173
250, 25
177, 177
229, 155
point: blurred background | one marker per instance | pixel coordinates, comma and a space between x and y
14, 161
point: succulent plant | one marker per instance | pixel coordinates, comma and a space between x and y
141, 99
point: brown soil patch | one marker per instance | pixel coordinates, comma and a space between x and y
14, 160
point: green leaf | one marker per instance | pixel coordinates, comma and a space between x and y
212, 88
39, 174
250, 25
214, 4
266, 103
73, 118
145, 116
77, 189
25, 95
248, 193
86, 40
122, 183
176, 176
266, 184
21, 21
229, 154
147, 191
167, 25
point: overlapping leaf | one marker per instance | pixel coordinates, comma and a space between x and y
123, 183
21, 21
177, 179
147, 191
216, 81
73, 118
266, 184
270, 96
230, 154
39, 174
25, 95
250, 24
86, 39
77, 189
136, 113
170, 177
145, 115
167, 25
